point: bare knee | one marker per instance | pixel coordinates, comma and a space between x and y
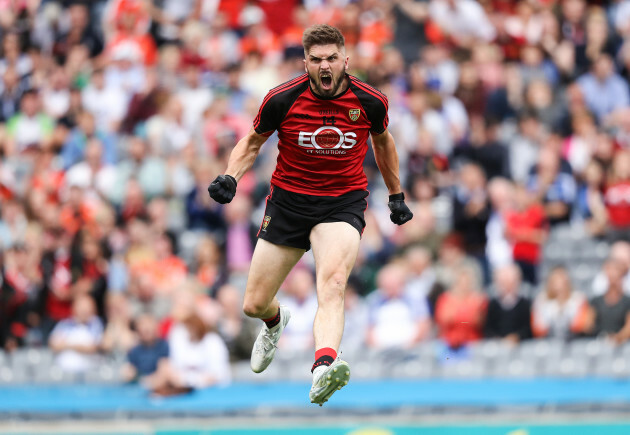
254, 308
332, 291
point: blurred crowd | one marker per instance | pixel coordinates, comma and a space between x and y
511, 119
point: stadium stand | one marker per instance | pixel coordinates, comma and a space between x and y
512, 121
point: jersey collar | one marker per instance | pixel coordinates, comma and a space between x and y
334, 97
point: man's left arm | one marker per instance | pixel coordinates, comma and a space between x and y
387, 160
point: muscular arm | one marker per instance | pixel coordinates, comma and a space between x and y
244, 154
387, 160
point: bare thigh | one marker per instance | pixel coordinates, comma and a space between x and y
269, 267
335, 248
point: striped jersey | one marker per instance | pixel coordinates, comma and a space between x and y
322, 141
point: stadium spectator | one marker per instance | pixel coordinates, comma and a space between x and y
396, 319
498, 248
421, 279
551, 180
471, 210
604, 90
356, 318
590, 204
30, 127
525, 145
451, 258
462, 22
509, 313
301, 298
119, 337
115, 115
619, 252
150, 351
208, 263
11, 94
460, 312
617, 197
198, 358
106, 103
76, 340
238, 330
611, 310
526, 230
560, 311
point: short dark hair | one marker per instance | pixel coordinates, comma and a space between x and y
322, 34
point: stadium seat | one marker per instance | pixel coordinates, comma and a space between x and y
591, 349
540, 348
463, 369
54, 375
617, 367
31, 357
9, 375
565, 367
365, 369
414, 369
490, 350
512, 367
103, 374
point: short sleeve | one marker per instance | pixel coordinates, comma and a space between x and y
134, 357
163, 349
377, 114
269, 115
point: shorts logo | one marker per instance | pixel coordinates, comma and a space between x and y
354, 114
266, 221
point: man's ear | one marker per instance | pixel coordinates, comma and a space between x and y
305, 69
346, 63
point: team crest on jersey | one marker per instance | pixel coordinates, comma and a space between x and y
266, 221
354, 114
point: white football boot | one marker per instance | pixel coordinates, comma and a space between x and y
267, 341
327, 380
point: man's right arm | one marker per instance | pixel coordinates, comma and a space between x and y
242, 157
244, 154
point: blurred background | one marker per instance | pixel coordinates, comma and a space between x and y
502, 308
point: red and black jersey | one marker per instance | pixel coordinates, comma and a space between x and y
322, 141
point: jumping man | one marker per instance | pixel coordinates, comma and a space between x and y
317, 197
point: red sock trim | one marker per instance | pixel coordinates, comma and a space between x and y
326, 351
272, 321
272, 318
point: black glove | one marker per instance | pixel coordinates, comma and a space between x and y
223, 189
400, 213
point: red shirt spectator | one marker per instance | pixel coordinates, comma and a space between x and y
525, 228
617, 194
460, 312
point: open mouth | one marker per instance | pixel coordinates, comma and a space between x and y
326, 80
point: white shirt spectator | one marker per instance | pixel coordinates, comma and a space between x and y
77, 334
130, 80
108, 105
395, 321
498, 249
466, 19
197, 361
56, 102
194, 102
556, 319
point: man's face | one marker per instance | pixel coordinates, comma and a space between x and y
326, 67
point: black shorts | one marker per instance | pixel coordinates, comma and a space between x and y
290, 217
